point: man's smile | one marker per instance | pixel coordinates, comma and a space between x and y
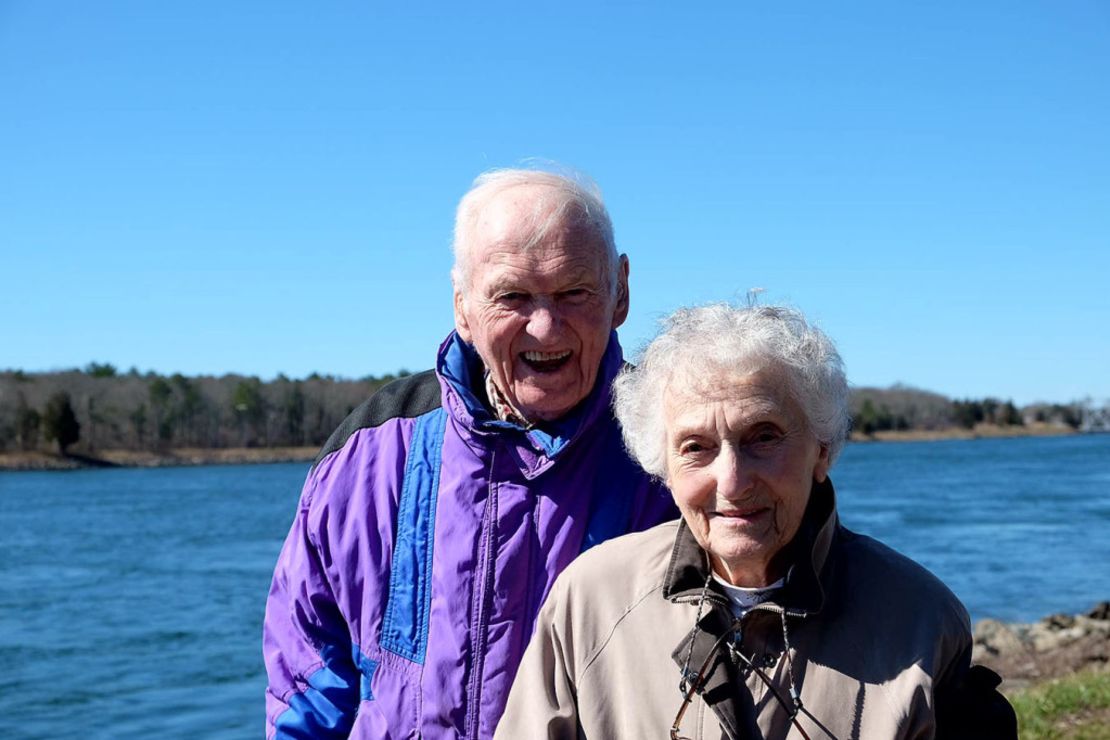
545, 362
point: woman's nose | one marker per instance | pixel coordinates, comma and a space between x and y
734, 474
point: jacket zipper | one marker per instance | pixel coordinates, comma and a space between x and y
486, 597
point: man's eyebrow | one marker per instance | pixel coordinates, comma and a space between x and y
504, 282
512, 279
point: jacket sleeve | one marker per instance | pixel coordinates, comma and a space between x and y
970, 706
658, 507
543, 702
313, 683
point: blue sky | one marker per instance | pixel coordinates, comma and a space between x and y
251, 187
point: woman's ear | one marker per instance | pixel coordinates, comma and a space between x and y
821, 467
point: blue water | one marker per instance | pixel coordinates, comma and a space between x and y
131, 601
1017, 528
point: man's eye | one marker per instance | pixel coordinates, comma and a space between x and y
575, 294
512, 297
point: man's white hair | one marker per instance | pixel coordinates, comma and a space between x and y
566, 197
699, 348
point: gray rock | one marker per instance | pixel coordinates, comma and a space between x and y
995, 638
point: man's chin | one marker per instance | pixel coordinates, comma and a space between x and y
549, 406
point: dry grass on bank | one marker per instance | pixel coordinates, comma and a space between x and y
980, 431
145, 459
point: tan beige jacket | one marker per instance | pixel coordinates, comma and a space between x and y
874, 639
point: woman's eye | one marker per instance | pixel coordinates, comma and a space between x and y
692, 448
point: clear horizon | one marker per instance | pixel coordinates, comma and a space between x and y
265, 188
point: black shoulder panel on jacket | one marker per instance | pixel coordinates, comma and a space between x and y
404, 398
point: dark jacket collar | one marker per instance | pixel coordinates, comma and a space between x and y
463, 376
802, 595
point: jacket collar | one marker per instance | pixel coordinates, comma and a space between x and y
801, 595
462, 372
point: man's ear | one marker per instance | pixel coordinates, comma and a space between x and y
620, 311
462, 326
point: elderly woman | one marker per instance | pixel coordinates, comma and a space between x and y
757, 614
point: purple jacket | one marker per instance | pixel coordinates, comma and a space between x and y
427, 536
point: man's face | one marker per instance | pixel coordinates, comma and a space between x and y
741, 462
539, 319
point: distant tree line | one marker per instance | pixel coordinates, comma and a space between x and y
101, 408
902, 408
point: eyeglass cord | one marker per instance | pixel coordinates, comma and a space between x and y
734, 649
683, 683
797, 699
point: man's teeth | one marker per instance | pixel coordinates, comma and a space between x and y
546, 356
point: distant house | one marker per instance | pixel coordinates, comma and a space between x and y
1095, 418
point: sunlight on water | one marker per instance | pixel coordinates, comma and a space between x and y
1013, 526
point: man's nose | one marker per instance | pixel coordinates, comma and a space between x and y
544, 319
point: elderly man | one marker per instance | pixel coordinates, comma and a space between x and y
438, 515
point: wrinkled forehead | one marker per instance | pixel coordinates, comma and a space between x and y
754, 380
526, 215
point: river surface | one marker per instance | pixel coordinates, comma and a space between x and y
131, 600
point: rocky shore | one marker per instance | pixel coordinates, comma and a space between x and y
1058, 645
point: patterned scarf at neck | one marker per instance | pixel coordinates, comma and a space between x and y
501, 407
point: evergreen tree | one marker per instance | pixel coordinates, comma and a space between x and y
161, 394
249, 406
100, 370
294, 415
865, 421
60, 422
138, 424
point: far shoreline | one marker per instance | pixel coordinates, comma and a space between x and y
979, 431
194, 456
178, 457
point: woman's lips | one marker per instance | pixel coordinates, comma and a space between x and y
749, 512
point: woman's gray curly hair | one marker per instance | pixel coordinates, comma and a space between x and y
707, 344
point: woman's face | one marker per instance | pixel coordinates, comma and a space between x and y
741, 460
